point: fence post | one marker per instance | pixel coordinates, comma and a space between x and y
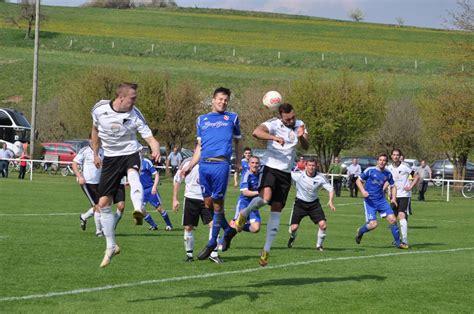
195, 49
152, 47
233, 52
278, 55
322, 57
447, 191
31, 169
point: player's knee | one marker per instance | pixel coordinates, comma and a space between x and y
372, 224
188, 228
294, 228
391, 219
255, 228
322, 225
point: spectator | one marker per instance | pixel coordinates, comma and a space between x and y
174, 160
23, 161
301, 164
353, 171
5, 154
424, 172
336, 170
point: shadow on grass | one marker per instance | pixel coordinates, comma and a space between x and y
216, 297
312, 281
425, 245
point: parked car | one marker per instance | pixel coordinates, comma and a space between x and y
58, 151
364, 162
77, 144
440, 166
412, 163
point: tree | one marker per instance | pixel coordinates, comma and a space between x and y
400, 21
338, 114
356, 15
113, 4
400, 129
463, 19
27, 14
448, 119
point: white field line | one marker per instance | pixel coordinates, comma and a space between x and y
417, 219
50, 214
219, 274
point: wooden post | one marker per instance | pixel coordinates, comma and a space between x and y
195, 49
322, 57
113, 44
233, 52
366, 60
152, 47
278, 55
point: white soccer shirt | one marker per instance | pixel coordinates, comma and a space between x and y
117, 130
277, 156
85, 158
193, 188
307, 187
401, 176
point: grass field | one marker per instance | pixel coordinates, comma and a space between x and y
75, 40
49, 265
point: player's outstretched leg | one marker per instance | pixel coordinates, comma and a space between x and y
166, 218
320, 241
83, 218
292, 239
108, 223
98, 224
272, 230
188, 244
136, 195
360, 233
212, 244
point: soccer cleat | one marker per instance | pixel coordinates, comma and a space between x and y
240, 222
99, 234
263, 260
138, 217
109, 254
189, 259
83, 223
153, 228
403, 246
319, 248
216, 259
206, 252
169, 228
358, 237
227, 239
291, 241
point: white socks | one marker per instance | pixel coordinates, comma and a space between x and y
404, 230
98, 224
272, 229
256, 203
321, 237
188, 242
108, 223
136, 189
88, 214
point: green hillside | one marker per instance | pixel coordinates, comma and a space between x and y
199, 44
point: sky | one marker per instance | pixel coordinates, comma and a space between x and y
422, 13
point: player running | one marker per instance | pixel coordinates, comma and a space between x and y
193, 209
308, 183
282, 135
401, 175
374, 199
215, 132
115, 124
149, 178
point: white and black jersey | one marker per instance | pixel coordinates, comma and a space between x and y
401, 176
85, 158
193, 188
117, 130
307, 187
277, 156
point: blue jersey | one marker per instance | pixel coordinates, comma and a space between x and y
216, 131
375, 180
245, 166
146, 173
249, 182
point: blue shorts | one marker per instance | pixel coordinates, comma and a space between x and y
254, 216
373, 206
213, 177
154, 200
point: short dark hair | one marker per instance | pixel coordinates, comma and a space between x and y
222, 90
382, 155
125, 86
247, 148
285, 108
396, 150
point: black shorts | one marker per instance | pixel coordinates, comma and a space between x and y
193, 208
113, 170
403, 205
302, 209
92, 193
279, 181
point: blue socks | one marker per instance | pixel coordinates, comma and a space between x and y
217, 222
363, 229
395, 233
150, 220
166, 218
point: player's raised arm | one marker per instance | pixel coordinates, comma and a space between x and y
303, 137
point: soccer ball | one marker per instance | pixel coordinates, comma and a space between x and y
272, 100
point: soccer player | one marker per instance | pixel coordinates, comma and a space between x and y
374, 199
249, 190
193, 209
282, 135
245, 165
151, 194
307, 202
401, 175
215, 132
115, 123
